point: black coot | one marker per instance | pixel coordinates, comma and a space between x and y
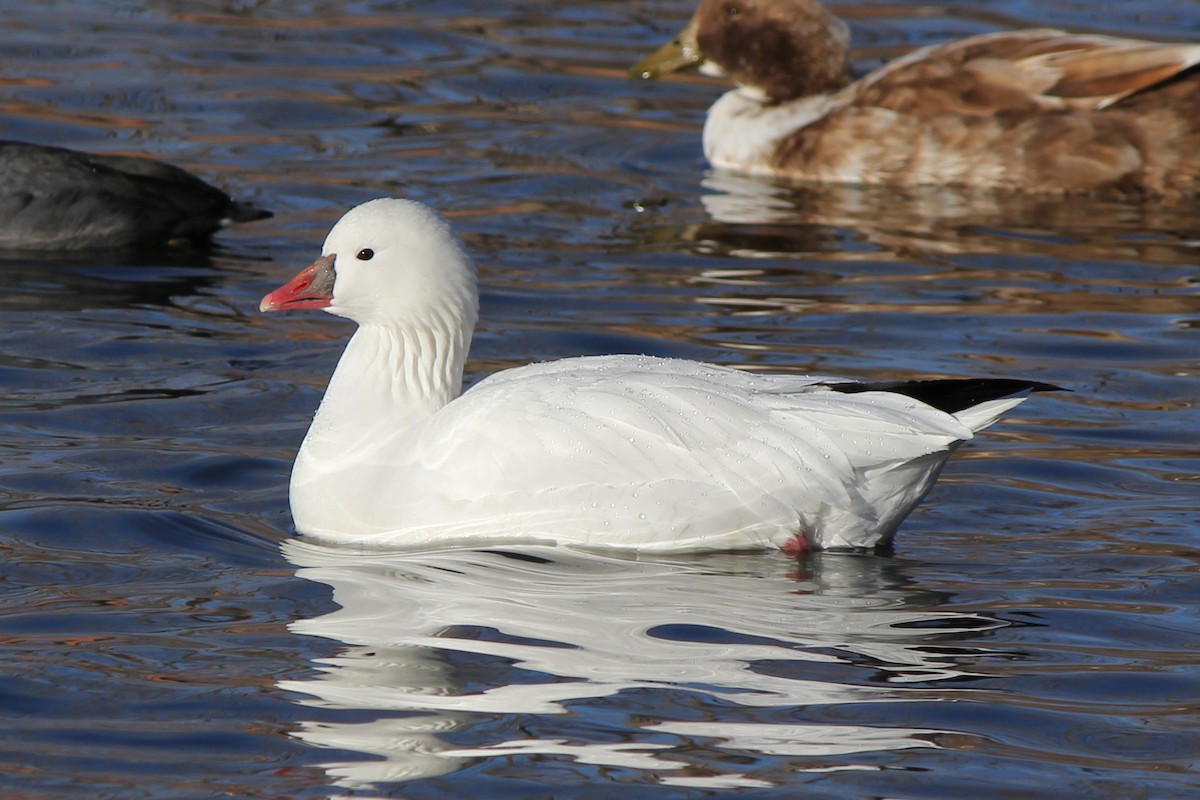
52, 198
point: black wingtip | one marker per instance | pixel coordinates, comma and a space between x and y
950, 394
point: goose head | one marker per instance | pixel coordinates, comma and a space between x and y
388, 262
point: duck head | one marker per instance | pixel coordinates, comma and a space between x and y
780, 49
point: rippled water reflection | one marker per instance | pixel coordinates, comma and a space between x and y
737, 643
161, 633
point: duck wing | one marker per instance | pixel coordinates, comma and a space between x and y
1024, 71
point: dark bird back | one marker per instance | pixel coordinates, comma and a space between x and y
52, 198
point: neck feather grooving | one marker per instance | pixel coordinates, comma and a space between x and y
389, 379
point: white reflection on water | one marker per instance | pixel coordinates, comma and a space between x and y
564, 628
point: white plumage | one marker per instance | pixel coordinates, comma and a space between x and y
616, 451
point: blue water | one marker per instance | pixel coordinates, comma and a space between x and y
162, 633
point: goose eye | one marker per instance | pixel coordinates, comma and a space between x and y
366, 254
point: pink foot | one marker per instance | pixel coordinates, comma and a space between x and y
796, 546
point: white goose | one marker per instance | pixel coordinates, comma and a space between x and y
654, 454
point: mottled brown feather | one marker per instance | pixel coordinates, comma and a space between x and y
1048, 118
1104, 75
1024, 69
1039, 111
788, 50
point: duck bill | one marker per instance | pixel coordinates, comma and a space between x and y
311, 288
680, 53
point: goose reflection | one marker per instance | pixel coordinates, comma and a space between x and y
459, 655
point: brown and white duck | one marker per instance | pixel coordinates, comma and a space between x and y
1040, 111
